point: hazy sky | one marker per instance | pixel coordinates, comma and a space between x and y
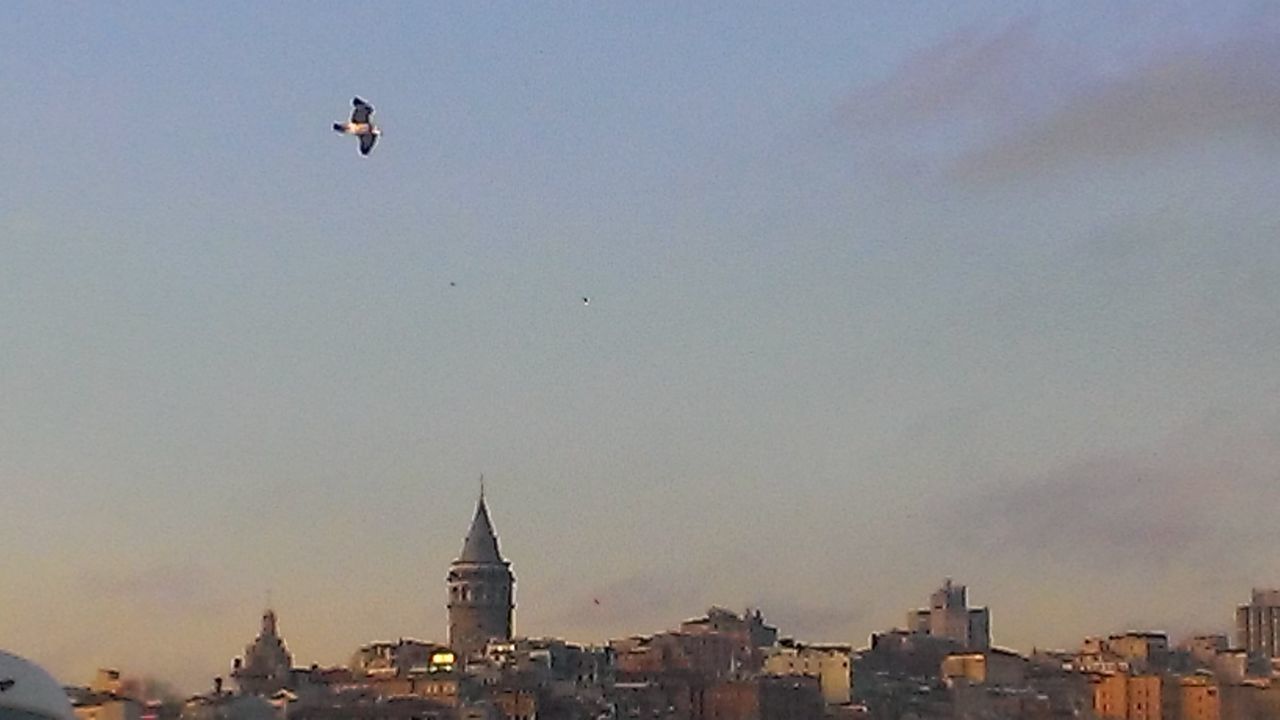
881, 292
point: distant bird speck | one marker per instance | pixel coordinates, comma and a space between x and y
361, 125
586, 301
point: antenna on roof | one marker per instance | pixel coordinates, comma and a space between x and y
481, 487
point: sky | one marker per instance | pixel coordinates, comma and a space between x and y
880, 293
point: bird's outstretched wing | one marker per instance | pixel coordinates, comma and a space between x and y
360, 111
366, 143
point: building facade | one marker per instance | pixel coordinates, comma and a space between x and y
1121, 696
1139, 649
400, 658
995, 667
108, 707
830, 664
949, 617
481, 590
1199, 699
1258, 624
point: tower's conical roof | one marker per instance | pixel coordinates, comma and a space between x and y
481, 545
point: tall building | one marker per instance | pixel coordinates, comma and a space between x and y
481, 589
1258, 624
949, 617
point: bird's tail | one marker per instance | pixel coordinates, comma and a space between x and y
339, 127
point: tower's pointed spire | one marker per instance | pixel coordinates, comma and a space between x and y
481, 545
269, 623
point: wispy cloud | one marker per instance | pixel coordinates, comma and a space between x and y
1192, 501
1166, 536
642, 601
654, 602
998, 104
178, 588
974, 72
1188, 96
826, 620
974, 84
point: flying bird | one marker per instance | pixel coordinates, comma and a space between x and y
361, 125
586, 301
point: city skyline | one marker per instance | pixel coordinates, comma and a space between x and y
880, 293
475, 549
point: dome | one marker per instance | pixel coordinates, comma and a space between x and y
26, 690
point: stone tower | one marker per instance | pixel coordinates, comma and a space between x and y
481, 589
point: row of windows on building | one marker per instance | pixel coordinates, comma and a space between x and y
480, 593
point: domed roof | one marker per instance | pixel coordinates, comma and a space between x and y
25, 686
